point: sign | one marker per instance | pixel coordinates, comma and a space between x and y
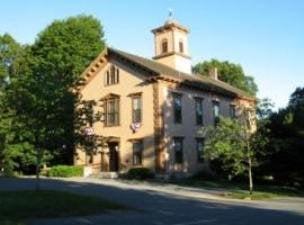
135, 127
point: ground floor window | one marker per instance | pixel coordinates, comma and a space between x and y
232, 111
200, 144
137, 152
178, 149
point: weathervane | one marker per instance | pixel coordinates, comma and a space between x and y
170, 16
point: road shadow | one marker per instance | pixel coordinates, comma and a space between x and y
156, 208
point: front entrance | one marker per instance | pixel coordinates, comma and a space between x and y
113, 156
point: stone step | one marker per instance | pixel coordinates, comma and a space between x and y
108, 175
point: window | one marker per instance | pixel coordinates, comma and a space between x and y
111, 111
177, 108
164, 46
199, 111
181, 47
232, 111
216, 112
112, 76
137, 152
178, 149
136, 108
200, 144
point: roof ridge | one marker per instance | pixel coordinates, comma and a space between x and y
167, 70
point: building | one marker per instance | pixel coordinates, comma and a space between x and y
152, 111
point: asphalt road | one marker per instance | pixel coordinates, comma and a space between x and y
152, 207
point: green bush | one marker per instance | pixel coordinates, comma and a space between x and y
139, 174
65, 171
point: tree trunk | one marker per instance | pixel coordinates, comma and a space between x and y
250, 177
38, 162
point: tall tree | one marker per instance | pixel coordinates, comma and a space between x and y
228, 72
15, 149
43, 98
285, 163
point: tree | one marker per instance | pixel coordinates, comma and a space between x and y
43, 99
264, 109
15, 151
234, 145
228, 72
286, 142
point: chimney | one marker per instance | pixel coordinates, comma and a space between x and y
213, 74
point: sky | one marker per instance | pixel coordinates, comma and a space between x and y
265, 37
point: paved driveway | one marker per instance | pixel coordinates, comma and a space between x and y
166, 205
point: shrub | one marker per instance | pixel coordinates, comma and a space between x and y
139, 174
65, 171
205, 174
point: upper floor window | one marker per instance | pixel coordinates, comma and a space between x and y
181, 46
136, 108
178, 149
177, 108
216, 112
232, 111
164, 46
199, 114
200, 144
112, 76
111, 107
137, 152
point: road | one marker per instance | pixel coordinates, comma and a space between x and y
165, 205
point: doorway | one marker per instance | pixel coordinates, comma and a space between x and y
113, 156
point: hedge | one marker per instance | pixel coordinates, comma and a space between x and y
65, 171
139, 174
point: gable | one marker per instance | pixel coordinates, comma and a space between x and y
130, 80
151, 70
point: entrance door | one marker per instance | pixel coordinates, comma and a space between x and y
114, 157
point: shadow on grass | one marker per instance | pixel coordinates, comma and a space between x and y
27, 204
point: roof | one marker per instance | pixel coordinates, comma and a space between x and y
194, 80
170, 24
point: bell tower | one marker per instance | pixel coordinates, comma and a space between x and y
171, 45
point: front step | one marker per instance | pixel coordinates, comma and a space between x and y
108, 175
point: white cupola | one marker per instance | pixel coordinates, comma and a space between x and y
171, 46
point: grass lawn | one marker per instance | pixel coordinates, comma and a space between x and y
17, 207
240, 190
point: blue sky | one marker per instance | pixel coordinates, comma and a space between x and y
265, 37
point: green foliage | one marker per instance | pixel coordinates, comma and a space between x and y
229, 72
139, 174
15, 149
66, 47
286, 159
11, 59
233, 144
37, 107
226, 142
61, 52
65, 171
264, 109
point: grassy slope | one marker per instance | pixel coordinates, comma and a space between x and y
16, 206
240, 190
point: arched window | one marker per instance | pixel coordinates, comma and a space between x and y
181, 46
164, 46
112, 76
